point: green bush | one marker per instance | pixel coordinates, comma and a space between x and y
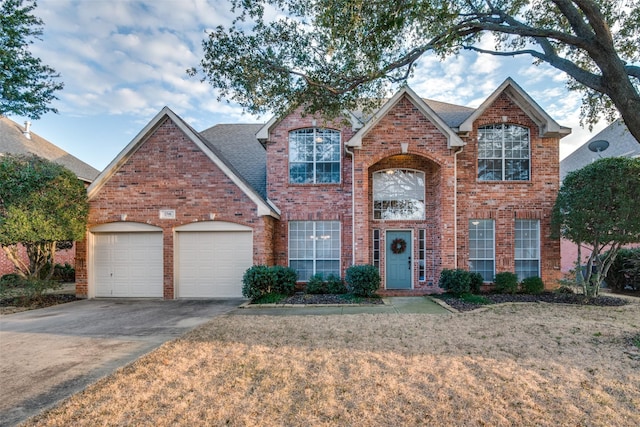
533, 285
316, 285
476, 282
257, 281
363, 280
456, 282
12, 280
335, 285
34, 288
621, 274
286, 279
64, 273
506, 283
564, 289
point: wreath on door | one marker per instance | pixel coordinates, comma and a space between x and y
398, 246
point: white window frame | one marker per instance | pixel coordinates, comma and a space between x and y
503, 151
530, 252
318, 135
492, 246
311, 237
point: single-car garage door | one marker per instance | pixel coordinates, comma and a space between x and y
212, 258
127, 264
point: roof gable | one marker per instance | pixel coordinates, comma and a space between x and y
453, 140
264, 207
548, 127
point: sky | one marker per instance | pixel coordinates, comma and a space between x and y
122, 61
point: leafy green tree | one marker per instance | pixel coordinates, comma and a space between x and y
41, 203
27, 85
599, 206
329, 54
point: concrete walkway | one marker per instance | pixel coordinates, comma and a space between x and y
392, 305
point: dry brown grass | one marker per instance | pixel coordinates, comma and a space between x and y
529, 364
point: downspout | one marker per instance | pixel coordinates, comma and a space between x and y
353, 205
455, 206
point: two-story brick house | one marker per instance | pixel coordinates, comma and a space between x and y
417, 187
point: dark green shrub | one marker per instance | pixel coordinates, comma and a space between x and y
64, 273
34, 288
363, 280
12, 280
258, 280
621, 273
456, 282
316, 285
533, 285
335, 285
286, 279
506, 283
564, 290
476, 282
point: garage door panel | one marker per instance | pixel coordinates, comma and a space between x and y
211, 264
128, 264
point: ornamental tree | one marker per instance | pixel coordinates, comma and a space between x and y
27, 86
599, 206
328, 55
41, 203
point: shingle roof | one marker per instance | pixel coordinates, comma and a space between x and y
13, 141
238, 145
453, 115
621, 144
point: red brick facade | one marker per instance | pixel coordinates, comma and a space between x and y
169, 171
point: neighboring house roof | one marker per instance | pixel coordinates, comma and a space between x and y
14, 140
214, 149
613, 141
238, 144
548, 126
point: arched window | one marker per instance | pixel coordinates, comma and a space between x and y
398, 194
503, 153
314, 156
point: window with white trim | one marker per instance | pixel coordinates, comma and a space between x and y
527, 256
314, 156
398, 194
503, 153
314, 247
482, 248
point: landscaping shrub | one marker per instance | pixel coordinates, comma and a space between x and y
258, 280
564, 289
456, 282
363, 280
11, 280
335, 285
506, 283
621, 273
316, 285
64, 273
533, 285
286, 278
476, 282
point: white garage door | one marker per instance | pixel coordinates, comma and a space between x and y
211, 263
128, 264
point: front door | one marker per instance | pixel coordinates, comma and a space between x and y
398, 260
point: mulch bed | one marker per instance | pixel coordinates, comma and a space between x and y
302, 298
16, 304
602, 301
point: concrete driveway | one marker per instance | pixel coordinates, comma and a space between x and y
49, 354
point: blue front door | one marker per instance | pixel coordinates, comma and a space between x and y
398, 260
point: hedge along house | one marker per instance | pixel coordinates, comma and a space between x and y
418, 187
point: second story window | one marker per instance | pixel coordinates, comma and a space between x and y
503, 153
314, 156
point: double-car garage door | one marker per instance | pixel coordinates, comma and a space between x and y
210, 259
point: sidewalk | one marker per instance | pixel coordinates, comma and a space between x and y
392, 305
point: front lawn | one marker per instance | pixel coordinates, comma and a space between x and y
524, 364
